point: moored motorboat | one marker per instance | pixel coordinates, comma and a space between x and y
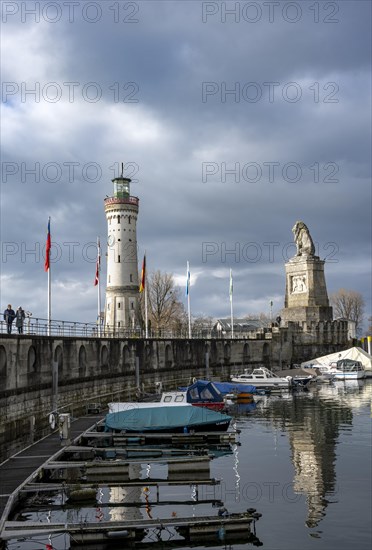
347, 369
301, 378
232, 391
263, 378
199, 394
203, 393
167, 419
324, 373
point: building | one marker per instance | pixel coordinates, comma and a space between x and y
122, 294
222, 327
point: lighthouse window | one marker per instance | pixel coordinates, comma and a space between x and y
131, 278
119, 324
129, 219
119, 305
132, 305
118, 219
109, 282
119, 259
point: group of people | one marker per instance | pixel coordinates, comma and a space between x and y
10, 316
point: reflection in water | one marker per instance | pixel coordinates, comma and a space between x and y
313, 428
236, 472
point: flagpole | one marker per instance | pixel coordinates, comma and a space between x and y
231, 305
99, 285
188, 297
49, 287
49, 300
146, 313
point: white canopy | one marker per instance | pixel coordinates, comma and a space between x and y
356, 354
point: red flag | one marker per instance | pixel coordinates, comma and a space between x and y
98, 264
47, 249
143, 275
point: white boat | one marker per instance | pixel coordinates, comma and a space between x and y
199, 394
263, 378
174, 398
346, 369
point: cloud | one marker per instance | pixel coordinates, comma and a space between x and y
222, 168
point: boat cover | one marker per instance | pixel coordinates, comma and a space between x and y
355, 354
203, 391
163, 418
231, 387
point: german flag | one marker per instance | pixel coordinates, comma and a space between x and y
143, 275
48, 246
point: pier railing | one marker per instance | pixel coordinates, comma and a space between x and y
34, 326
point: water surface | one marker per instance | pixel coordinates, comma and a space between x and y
304, 462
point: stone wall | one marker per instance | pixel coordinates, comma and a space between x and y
87, 370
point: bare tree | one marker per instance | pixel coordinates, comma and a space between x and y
349, 304
202, 324
165, 309
369, 329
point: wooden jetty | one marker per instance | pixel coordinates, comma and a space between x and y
188, 527
98, 459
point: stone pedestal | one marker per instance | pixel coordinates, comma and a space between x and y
306, 298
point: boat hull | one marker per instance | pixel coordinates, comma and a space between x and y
349, 375
264, 384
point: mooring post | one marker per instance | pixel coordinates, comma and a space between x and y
54, 385
137, 372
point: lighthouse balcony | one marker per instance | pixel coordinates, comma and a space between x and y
134, 201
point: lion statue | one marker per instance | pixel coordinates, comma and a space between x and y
303, 240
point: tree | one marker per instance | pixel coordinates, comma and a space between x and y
165, 309
349, 304
369, 329
202, 325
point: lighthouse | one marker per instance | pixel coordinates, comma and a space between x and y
122, 293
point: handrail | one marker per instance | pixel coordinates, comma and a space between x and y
35, 326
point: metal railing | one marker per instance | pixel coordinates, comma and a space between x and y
34, 326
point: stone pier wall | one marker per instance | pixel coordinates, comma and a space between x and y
87, 370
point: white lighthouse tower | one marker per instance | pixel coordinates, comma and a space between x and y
122, 293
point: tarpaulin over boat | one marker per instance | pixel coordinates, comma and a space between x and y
231, 387
355, 354
167, 419
203, 391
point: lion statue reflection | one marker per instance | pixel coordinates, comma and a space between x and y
303, 240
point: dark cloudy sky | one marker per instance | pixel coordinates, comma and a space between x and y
235, 119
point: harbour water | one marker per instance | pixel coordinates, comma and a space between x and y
304, 462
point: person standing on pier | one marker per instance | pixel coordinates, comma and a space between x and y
20, 317
8, 318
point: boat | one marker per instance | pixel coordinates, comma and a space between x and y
347, 369
263, 378
355, 354
203, 393
167, 419
324, 373
301, 377
199, 394
232, 392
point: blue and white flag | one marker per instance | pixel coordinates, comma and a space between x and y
188, 279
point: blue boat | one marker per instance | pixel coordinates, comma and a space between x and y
167, 419
233, 387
